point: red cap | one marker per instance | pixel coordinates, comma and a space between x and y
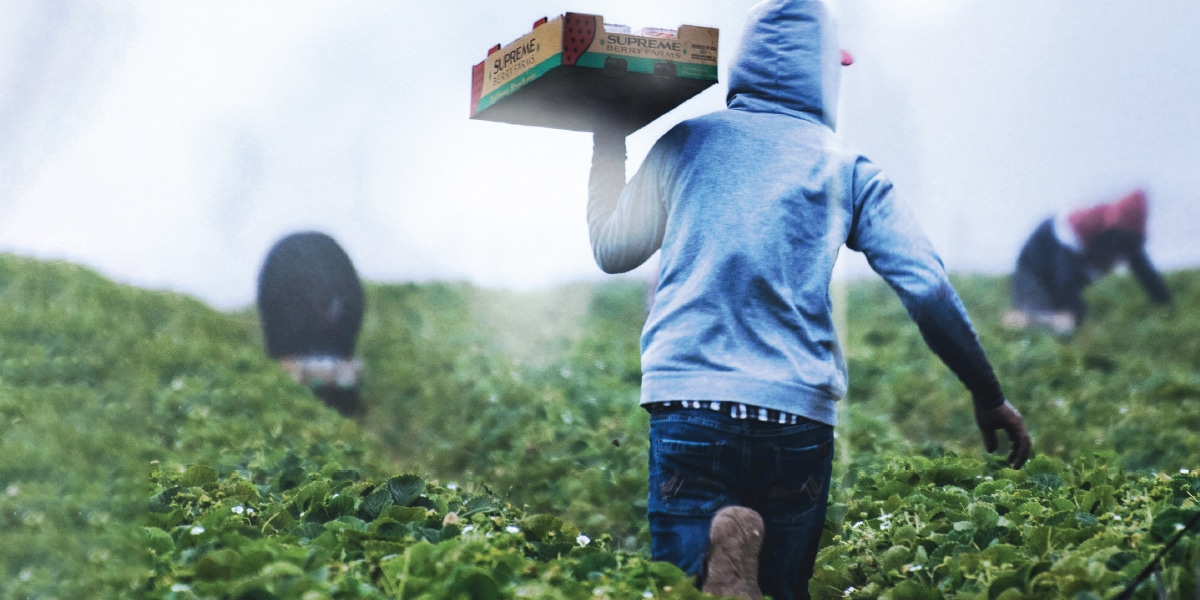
847, 60
1129, 213
1126, 214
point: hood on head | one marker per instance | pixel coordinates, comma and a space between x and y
789, 61
1128, 213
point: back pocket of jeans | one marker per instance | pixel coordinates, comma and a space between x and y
685, 478
800, 479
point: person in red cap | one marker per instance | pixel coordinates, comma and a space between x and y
1069, 251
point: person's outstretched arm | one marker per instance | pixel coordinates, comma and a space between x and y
1149, 277
887, 232
625, 222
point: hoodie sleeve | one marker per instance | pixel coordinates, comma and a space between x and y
888, 233
1148, 277
625, 221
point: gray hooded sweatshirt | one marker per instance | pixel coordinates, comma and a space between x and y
750, 206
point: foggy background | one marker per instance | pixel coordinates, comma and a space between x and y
169, 145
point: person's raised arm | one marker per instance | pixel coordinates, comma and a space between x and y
625, 222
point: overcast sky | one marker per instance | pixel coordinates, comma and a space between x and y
169, 145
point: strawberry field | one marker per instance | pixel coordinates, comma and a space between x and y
148, 448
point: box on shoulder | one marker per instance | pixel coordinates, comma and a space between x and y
575, 70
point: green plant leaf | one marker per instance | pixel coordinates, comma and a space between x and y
376, 502
405, 489
199, 476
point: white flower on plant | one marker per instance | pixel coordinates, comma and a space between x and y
1179, 527
180, 587
513, 529
26, 575
197, 530
647, 594
12, 490
468, 529
238, 510
583, 540
849, 590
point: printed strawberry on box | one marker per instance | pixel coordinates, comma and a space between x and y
573, 71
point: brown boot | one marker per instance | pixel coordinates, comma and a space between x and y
734, 541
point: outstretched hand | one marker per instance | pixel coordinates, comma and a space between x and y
1007, 418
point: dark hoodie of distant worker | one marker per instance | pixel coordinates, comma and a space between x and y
311, 303
741, 365
1069, 251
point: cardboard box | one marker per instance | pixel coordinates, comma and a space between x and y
570, 72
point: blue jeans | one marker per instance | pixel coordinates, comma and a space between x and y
702, 460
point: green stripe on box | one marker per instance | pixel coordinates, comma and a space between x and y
695, 71
519, 81
638, 64
593, 60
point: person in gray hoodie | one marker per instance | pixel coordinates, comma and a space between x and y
741, 366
